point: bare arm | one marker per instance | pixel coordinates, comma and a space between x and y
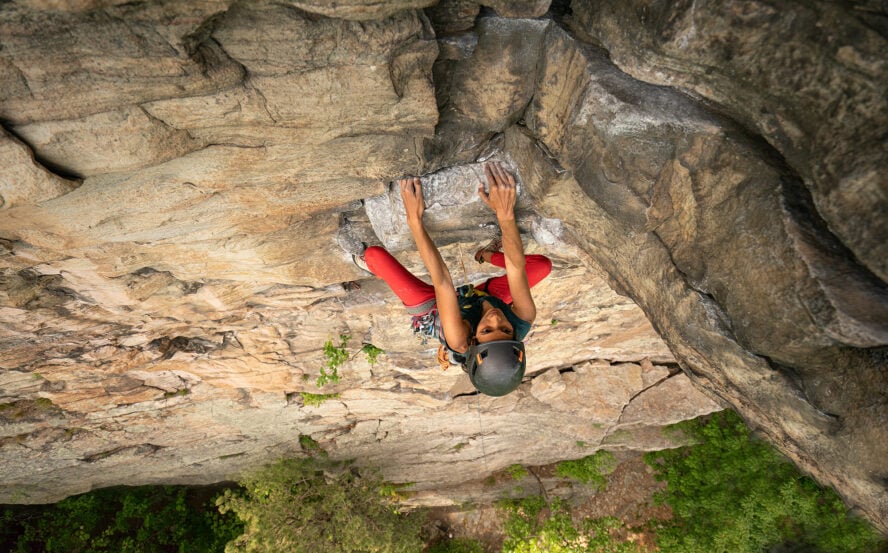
501, 199
455, 330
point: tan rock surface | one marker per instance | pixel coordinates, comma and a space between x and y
23, 180
110, 142
162, 315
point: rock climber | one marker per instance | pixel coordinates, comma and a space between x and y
479, 327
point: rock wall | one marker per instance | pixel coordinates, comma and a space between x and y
180, 184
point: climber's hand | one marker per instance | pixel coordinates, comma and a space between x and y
502, 194
411, 194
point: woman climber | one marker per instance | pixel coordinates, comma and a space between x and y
481, 327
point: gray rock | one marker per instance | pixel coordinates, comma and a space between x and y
454, 211
452, 16
359, 10
161, 319
809, 78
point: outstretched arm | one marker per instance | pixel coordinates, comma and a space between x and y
455, 331
501, 199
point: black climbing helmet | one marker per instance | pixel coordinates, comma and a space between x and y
496, 368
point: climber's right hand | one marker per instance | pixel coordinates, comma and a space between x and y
411, 194
502, 191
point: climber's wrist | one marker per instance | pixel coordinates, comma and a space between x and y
505, 216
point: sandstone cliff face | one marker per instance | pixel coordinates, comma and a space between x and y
180, 182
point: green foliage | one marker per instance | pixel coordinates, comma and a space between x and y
309, 445
335, 357
145, 519
315, 400
43, 403
517, 472
589, 470
302, 505
27, 408
599, 533
733, 493
457, 545
533, 526
372, 352
395, 492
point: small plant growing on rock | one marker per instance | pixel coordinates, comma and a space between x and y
26, 408
309, 445
335, 356
372, 352
517, 472
315, 400
43, 403
395, 492
589, 470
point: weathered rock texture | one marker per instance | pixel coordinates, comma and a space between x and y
810, 80
179, 180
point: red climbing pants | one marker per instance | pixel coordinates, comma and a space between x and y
413, 291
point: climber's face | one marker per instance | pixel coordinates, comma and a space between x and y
493, 325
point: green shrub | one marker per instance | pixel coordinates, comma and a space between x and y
533, 526
599, 533
145, 519
457, 545
731, 492
589, 470
302, 505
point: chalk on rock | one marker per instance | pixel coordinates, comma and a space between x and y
454, 212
